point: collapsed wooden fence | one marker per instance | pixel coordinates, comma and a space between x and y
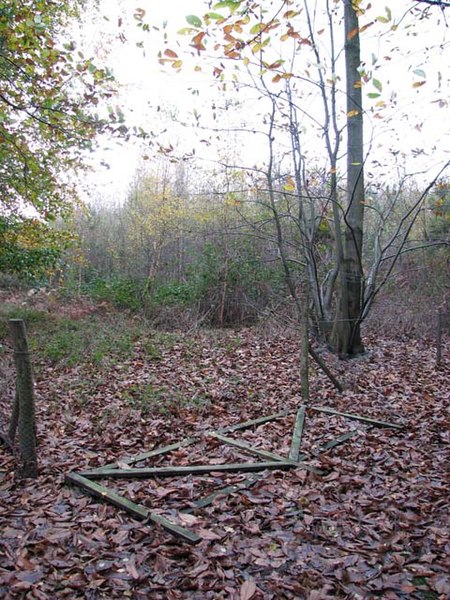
87, 480
23, 421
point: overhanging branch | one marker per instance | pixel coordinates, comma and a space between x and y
440, 3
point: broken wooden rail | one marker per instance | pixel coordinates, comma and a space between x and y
297, 434
136, 510
272, 461
377, 423
174, 471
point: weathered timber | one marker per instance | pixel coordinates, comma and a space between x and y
189, 441
321, 363
341, 439
440, 320
374, 422
131, 460
174, 471
229, 489
99, 491
136, 510
297, 434
264, 453
14, 422
24, 410
252, 422
246, 448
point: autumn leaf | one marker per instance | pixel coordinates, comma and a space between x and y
122, 465
248, 590
170, 53
290, 185
351, 34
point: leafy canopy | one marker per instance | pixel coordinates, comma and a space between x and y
48, 94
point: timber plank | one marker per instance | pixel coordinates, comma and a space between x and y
174, 471
187, 442
265, 454
136, 510
341, 439
375, 422
259, 421
229, 489
246, 448
131, 460
297, 434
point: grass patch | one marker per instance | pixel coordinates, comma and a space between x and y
155, 344
30, 315
149, 400
95, 339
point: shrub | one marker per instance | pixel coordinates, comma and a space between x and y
121, 292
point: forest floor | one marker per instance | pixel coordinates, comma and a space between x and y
374, 524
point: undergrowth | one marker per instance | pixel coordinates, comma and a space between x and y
150, 399
98, 339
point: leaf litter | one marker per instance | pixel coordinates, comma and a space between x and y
375, 524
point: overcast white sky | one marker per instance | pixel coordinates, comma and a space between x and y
416, 120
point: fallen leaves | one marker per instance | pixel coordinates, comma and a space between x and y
375, 525
248, 590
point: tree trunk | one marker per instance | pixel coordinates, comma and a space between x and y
25, 395
346, 336
304, 353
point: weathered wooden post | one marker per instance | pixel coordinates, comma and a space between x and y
439, 338
23, 413
14, 418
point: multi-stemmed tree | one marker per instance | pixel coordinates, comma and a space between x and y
319, 84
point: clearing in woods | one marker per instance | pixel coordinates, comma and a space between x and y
369, 518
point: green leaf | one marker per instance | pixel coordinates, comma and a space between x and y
215, 16
373, 95
187, 31
257, 28
45, 146
419, 73
194, 21
377, 84
231, 4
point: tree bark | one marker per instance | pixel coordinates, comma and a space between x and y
304, 351
25, 394
346, 336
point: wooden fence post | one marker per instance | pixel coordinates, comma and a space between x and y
24, 398
439, 339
